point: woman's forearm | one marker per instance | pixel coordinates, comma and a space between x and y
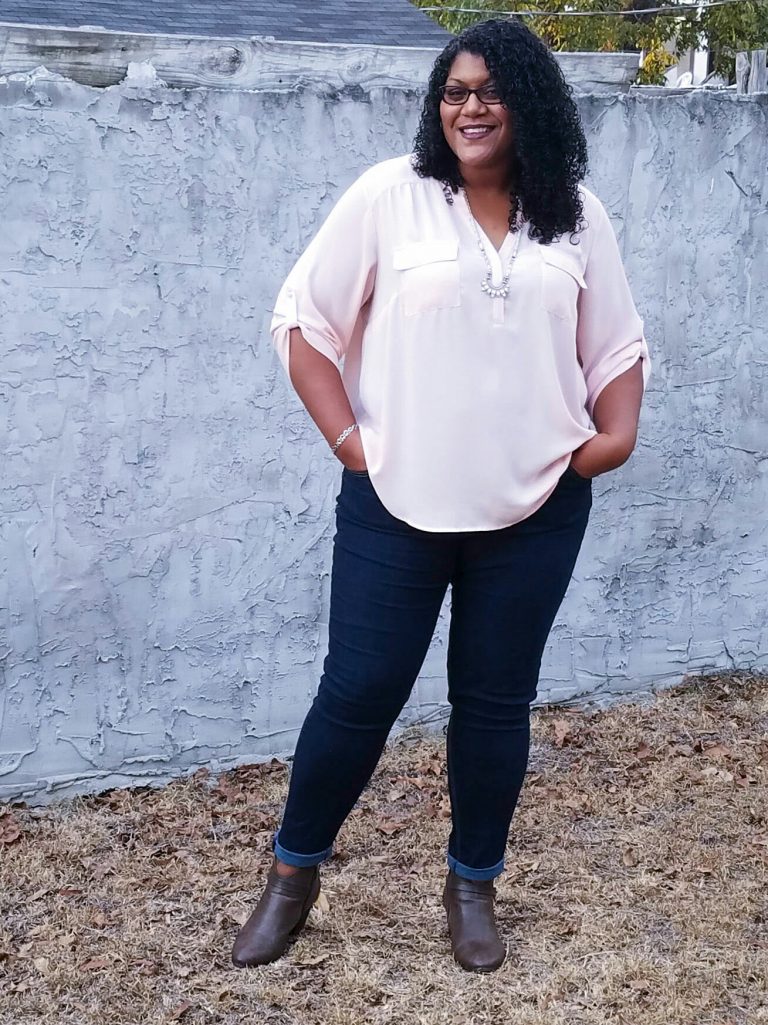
616, 413
319, 386
617, 409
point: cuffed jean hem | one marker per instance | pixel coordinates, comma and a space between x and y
475, 873
299, 860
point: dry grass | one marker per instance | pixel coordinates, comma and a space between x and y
635, 891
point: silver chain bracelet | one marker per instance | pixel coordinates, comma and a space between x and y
343, 437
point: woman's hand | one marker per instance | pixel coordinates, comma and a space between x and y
603, 452
351, 454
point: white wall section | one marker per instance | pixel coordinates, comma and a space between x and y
166, 506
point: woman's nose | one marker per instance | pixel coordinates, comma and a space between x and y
473, 104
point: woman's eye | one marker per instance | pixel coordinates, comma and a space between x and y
454, 95
489, 92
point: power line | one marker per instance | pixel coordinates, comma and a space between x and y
588, 14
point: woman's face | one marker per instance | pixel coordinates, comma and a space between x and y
479, 134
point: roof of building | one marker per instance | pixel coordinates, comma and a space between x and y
383, 22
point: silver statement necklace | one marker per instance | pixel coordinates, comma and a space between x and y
500, 291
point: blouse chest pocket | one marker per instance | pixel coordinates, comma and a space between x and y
428, 276
563, 279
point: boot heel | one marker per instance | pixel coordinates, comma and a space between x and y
305, 914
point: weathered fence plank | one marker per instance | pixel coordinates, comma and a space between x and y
758, 72
101, 57
752, 71
742, 72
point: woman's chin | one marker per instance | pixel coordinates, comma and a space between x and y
473, 158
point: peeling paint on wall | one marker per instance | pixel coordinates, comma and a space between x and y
166, 504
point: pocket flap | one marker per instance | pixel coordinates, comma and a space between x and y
416, 254
563, 260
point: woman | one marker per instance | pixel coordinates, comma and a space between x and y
493, 364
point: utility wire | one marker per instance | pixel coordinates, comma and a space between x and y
587, 14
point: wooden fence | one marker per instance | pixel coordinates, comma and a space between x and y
101, 57
751, 72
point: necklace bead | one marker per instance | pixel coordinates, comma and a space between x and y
500, 291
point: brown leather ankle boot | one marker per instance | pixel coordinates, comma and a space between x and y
474, 938
278, 918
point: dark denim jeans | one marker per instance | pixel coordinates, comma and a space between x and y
387, 585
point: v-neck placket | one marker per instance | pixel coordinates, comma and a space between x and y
495, 256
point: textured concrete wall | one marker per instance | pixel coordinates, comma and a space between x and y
165, 503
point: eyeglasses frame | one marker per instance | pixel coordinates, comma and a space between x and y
490, 103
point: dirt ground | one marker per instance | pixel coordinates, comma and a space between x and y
635, 889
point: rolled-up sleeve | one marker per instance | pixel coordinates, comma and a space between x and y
609, 333
330, 283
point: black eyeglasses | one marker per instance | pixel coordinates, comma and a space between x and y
455, 95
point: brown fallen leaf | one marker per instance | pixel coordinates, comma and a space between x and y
713, 772
10, 828
180, 1010
95, 964
566, 928
322, 902
312, 960
430, 766
395, 795
562, 731
390, 826
408, 781
579, 802
717, 751
146, 967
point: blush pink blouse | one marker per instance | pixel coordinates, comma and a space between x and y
469, 407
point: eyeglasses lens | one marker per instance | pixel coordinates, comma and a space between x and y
456, 95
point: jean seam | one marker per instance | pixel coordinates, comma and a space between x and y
454, 809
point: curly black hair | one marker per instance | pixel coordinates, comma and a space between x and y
549, 156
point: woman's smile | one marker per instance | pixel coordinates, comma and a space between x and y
476, 131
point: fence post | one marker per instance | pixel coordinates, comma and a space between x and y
751, 71
758, 72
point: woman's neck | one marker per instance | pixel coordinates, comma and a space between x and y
487, 180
